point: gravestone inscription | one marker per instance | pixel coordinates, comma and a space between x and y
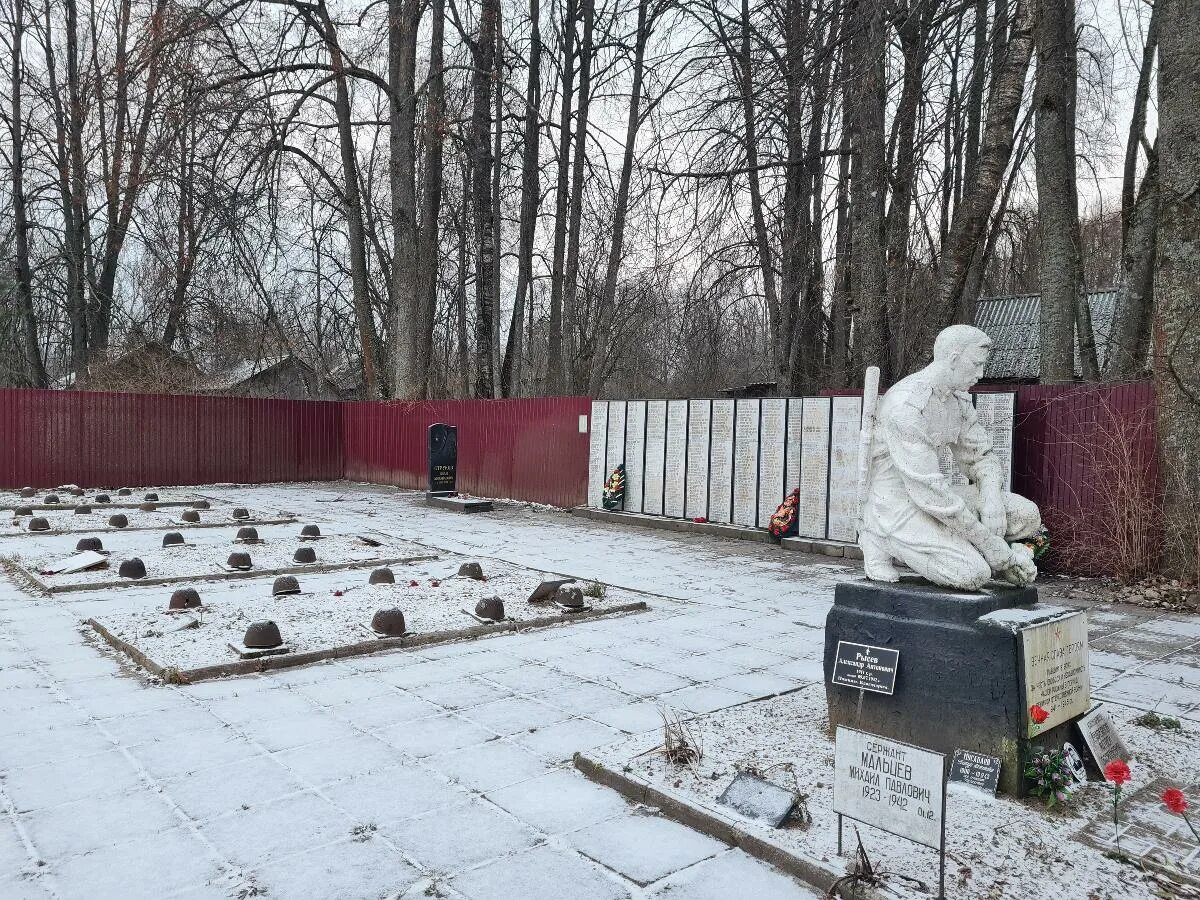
1055, 655
975, 770
1102, 739
443, 458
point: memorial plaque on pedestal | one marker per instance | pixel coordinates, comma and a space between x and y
889, 784
795, 435
699, 416
771, 444
720, 471
598, 443
1055, 655
813, 512
635, 451
745, 463
443, 458
656, 451
843, 471
865, 667
675, 469
976, 770
1101, 738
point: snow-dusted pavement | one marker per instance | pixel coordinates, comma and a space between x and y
438, 772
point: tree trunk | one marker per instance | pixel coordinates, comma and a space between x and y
971, 218
497, 219
608, 293
480, 151
431, 190
866, 98
1177, 272
411, 353
512, 373
839, 340
1058, 198
571, 275
1129, 344
556, 363
70, 139
35, 368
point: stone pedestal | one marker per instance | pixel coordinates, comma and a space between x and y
458, 504
960, 677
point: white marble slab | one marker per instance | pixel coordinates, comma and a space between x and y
699, 419
615, 454
598, 443
795, 419
635, 450
656, 448
675, 470
812, 514
772, 444
997, 414
720, 474
745, 463
843, 472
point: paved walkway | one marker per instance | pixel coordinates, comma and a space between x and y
440, 772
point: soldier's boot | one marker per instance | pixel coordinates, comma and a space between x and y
877, 560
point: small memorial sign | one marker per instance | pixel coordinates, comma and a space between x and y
1057, 688
443, 458
865, 667
891, 785
1102, 739
758, 799
975, 770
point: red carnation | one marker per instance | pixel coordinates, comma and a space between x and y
434, 583
1174, 800
338, 593
412, 584
1117, 772
1038, 714
700, 520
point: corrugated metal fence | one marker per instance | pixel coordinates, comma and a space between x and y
108, 440
521, 449
1086, 454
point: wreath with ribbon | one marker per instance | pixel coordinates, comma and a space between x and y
783, 521
1038, 544
614, 488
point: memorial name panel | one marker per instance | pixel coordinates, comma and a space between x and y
843, 475
699, 418
615, 454
975, 770
865, 667
795, 435
675, 471
771, 445
598, 443
635, 450
996, 414
656, 449
745, 463
813, 514
720, 476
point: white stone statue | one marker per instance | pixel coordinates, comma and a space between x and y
956, 536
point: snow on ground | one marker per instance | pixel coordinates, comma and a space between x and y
65, 521
439, 771
996, 847
13, 499
334, 610
208, 558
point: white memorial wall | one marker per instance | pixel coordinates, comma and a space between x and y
735, 461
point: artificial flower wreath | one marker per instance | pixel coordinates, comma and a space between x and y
783, 522
614, 489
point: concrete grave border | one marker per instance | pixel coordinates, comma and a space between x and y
172, 675
811, 871
317, 568
102, 530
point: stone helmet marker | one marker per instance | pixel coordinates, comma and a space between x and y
957, 536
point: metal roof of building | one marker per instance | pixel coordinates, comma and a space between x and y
1013, 324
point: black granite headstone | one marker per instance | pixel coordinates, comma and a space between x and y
443, 458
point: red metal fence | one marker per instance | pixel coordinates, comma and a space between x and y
519, 449
48, 438
1085, 454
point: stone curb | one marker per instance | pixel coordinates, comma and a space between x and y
364, 648
97, 508
720, 529
173, 526
317, 569
808, 870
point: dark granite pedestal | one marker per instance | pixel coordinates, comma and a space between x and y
960, 679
